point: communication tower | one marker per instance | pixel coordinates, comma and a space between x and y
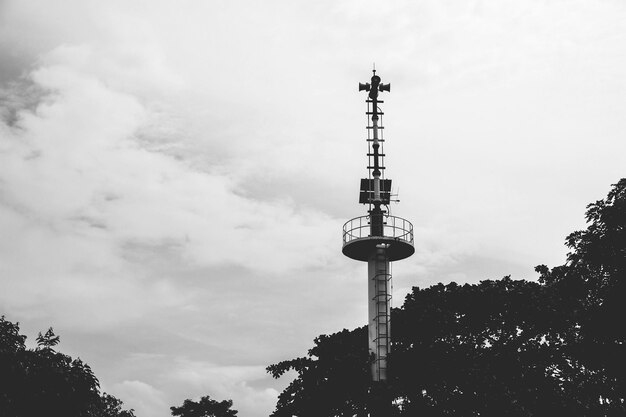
377, 238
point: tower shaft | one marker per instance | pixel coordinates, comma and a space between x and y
379, 310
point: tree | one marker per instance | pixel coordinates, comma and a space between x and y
486, 349
502, 347
332, 380
206, 407
44, 382
594, 280
112, 407
494, 348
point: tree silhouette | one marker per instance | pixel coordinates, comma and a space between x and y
332, 380
43, 382
497, 348
594, 281
206, 407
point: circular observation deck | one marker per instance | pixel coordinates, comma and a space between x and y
358, 244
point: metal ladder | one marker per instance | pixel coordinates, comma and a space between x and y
382, 320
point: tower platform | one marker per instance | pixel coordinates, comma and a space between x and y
359, 244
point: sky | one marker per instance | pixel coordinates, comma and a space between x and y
174, 176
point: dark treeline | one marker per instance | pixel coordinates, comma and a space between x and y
497, 348
43, 382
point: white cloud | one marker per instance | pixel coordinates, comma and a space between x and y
96, 212
79, 154
228, 382
170, 171
141, 397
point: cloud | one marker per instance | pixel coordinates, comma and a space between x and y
97, 211
250, 387
174, 176
228, 382
83, 138
141, 397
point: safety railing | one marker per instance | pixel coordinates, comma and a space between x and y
393, 227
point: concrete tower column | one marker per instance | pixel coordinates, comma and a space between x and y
379, 310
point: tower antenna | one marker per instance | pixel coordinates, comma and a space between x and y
378, 239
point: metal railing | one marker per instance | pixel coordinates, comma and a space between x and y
393, 227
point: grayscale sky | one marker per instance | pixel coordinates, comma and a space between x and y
174, 175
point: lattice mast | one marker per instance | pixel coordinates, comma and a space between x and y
377, 238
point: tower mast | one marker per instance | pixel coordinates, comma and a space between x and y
378, 239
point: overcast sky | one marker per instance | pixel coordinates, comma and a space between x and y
174, 175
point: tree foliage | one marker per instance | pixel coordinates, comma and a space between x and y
505, 347
594, 281
332, 379
206, 407
43, 382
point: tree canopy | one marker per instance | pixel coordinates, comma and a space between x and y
43, 382
205, 407
503, 347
